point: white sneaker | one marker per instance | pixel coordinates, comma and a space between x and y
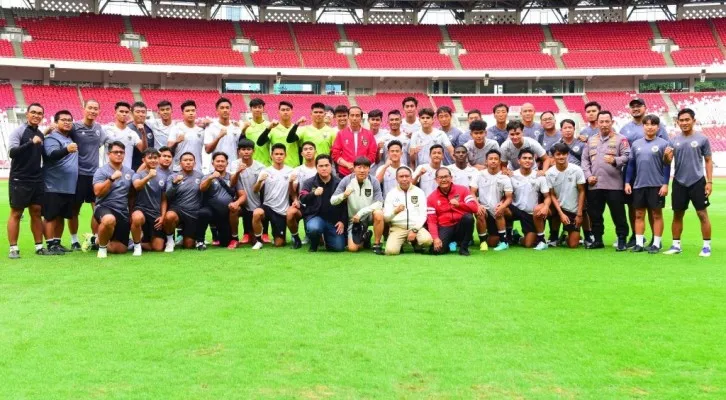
102, 253
705, 252
137, 250
305, 241
541, 246
257, 246
169, 247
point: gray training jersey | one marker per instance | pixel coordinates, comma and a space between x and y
185, 196
648, 157
89, 139
510, 153
477, 156
193, 143
689, 152
564, 184
246, 180
117, 199
277, 188
633, 132
575, 154
59, 176
548, 141
148, 199
218, 196
494, 133
533, 131
527, 189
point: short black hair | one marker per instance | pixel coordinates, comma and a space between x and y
474, 111
546, 112
525, 150
514, 124
138, 104
323, 157
330, 108
187, 104
188, 153
308, 143
245, 143
318, 105
115, 107
278, 146
57, 115
443, 110
375, 114
478, 125
163, 103
220, 153
460, 146
605, 112
651, 119
561, 148
500, 105
341, 109
593, 104
351, 108
443, 169
116, 143
223, 100
38, 105
284, 103
436, 146
409, 98
426, 111
394, 112
361, 160
394, 143
150, 151
494, 151
404, 167
687, 111
256, 102
567, 121
166, 148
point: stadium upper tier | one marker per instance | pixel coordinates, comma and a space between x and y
406, 47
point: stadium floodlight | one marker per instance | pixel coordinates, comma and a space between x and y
51, 71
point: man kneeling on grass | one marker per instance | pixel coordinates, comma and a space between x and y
364, 199
185, 200
405, 210
567, 192
111, 185
147, 220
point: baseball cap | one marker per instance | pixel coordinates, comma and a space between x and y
636, 100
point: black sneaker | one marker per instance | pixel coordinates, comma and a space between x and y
516, 237
631, 242
76, 246
654, 249
313, 249
378, 249
48, 252
595, 244
63, 248
637, 249
418, 249
367, 239
622, 245
201, 246
296, 243
464, 251
650, 244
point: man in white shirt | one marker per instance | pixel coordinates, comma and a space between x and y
375, 118
406, 212
461, 172
222, 135
386, 173
567, 192
299, 175
395, 133
120, 131
494, 192
276, 199
425, 174
162, 127
428, 136
246, 171
410, 124
515, 143
526, 207
478, 147
187, 136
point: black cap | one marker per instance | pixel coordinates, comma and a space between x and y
637, 100
357, 232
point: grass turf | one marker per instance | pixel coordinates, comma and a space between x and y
284, 324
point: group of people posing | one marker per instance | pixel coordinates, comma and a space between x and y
414, 183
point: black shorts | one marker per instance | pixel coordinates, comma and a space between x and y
629, 199
524, 218
491, 225
695, 193
277, 221
123, 227
24, 194
148, 231
84, 190
571, 226
58, 205
647, 197
188, 223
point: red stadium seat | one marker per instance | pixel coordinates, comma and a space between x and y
82, 28
604, 36
276, 58
698, 56
106, 98
393, 38
77, 51
507, 61
688, 33
498, 38
320, 37
575, 104
717, 137
192, 56
403, 60
324, 59
190, 32
613, 59
440, 101
269, 35
7, 96
53, 98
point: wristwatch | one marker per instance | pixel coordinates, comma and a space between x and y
414, 230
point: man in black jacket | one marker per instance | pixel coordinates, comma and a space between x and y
322, 218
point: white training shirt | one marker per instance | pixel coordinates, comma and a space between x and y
527, 189
491, 188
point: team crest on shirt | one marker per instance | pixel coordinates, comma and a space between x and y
148, 136
654, 149
127, 176
196, 181
414, 200
129, 138
576, 148
98, 133
161, 183
368, 192
365, 142
694, 144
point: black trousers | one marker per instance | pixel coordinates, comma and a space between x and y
459, 233
211, 216
615, 200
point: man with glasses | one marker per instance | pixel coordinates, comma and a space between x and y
405, 210
26, 188
449, 214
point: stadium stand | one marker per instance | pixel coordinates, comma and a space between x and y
392, 38
301, 103
708, 106
498, 38
486, 103
206, 56
696, 57
613, 59
716, 136
106, 98
575, 104
6, 49
695, 39
320, 37
403, 60
276, 58
53, 98
81, 28
7, 96
440, 101
78, 51
610, 35
507, 61
269, 35
166, 32
324, 59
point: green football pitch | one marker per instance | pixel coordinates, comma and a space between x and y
285, 324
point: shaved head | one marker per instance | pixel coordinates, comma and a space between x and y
527, 113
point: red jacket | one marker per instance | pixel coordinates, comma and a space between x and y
441, 213
344, 148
